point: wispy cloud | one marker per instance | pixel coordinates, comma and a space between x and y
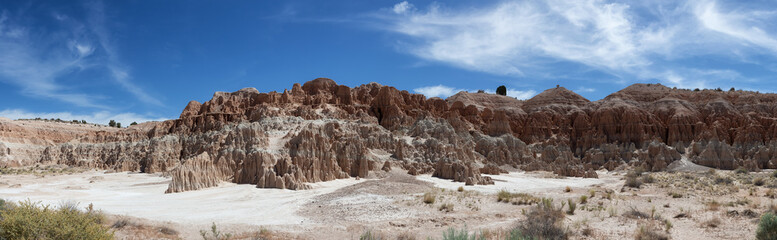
100, 117
443, 91
36, 60
26, 64
629, 40
118, 70
437, 91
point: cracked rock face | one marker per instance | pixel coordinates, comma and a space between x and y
321, 131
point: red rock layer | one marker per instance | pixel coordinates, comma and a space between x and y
320, 131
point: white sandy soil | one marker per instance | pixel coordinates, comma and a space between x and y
142, 195
516, 182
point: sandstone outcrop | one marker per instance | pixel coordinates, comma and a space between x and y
321, 131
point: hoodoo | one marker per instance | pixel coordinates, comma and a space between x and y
321, 131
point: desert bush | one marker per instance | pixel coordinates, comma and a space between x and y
723, 180
632, 181
460, 189
542, 222
646, 233
429, 198
636, 214
583, 199
28, 220
516, 234
369, 235
648, 179
406, 236
767, 227
758, 181
214, 234
592, 193
675, 195
741, 170
446, 207
121, 223
567, 189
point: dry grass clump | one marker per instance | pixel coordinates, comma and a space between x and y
741, 170
446, 207
712, 223
675, 194
567, 189
713, 205
429, 198
406, 236
759, 181
636, 214
369, 235
516, 198
723, 180
583, 199
28, 220
460, 189
647, 233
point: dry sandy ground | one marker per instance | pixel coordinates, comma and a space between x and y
392, 204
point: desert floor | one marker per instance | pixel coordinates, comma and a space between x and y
683, 205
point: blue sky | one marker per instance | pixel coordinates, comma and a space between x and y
144, 60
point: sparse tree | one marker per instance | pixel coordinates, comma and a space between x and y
732, 89
118, 125
133, 123
112, 123
501, 90
83, 121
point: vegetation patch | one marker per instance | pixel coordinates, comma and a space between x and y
29, 220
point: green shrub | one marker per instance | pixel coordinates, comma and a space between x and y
214, 234
741, 170
583, 199
27, 220
503, 196
463, 234
572, 206
767, 227
368, 235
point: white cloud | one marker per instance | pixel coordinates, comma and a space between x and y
520, 94
403, 7
628, 40
585, 90
100, 117
443, 91
437, 91
747, 26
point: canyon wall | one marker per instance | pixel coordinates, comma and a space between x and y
321, 131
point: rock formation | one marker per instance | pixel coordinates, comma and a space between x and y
321, 131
